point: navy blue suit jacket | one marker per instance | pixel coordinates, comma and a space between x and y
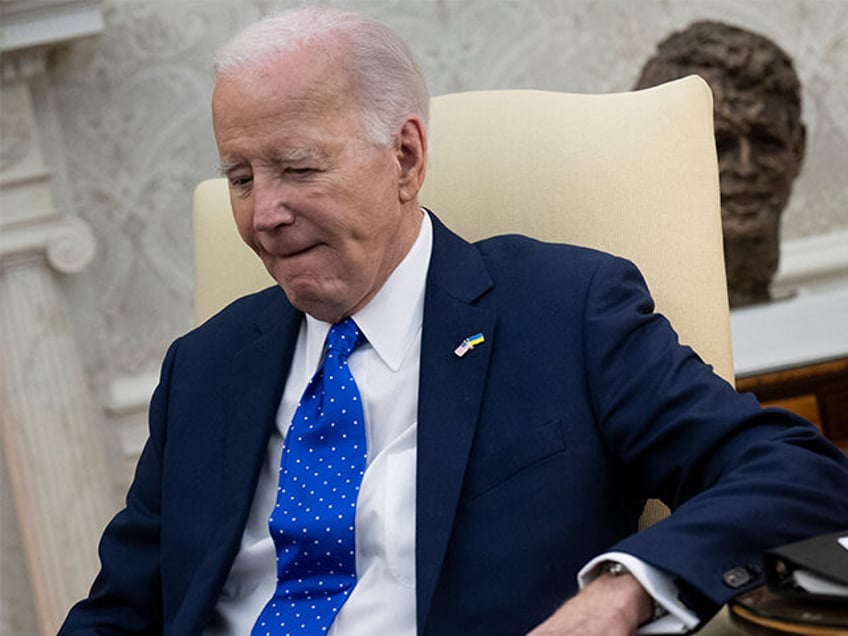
536, 450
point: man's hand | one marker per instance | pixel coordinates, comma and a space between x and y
608, 606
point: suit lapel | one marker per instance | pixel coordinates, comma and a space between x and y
450, 395
449, 398
257, 379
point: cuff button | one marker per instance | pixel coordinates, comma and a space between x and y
737, 577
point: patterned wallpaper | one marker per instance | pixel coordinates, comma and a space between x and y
133, 106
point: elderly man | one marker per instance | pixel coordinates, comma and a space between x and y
481, 420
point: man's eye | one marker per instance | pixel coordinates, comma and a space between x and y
766, 141
726, 144
302, 171
240, 182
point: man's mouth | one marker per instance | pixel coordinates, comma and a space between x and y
288, 251
297, 252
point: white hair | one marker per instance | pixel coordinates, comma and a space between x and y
386, 79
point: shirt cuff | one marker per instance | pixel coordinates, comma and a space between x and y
657, 584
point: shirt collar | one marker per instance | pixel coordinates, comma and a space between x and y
392, 319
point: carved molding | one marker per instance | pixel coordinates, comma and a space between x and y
16, 135
126, 403
29, 226
29, 27
38, 23
23, 65
21, 160
66, 241
131, 394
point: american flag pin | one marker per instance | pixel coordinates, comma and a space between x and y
468, 344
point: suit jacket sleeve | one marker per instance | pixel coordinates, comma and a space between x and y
126, 596
738, 478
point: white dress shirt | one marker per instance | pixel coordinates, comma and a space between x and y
386, 370
678, 620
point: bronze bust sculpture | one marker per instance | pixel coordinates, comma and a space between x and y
759, 137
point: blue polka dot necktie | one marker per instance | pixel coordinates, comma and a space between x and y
312, 524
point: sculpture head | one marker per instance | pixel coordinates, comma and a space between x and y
759, 137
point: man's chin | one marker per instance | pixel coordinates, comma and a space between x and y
313, 299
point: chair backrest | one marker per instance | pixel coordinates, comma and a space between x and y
634, 174
631, 173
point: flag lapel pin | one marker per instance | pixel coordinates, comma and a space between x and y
468, 344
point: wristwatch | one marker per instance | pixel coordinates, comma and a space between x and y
614, 568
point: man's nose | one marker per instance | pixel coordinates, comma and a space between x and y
746, 164
271, 205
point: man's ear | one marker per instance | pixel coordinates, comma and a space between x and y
411, 149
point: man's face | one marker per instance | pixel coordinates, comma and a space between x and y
322, 205
760, 146
759, 152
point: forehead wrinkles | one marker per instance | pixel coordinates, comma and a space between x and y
275, 157
270, 113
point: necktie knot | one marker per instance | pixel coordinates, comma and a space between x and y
343, 338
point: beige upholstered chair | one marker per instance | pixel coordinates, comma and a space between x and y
634, 174
630, 173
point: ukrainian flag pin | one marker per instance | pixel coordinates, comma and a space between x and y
468, 344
